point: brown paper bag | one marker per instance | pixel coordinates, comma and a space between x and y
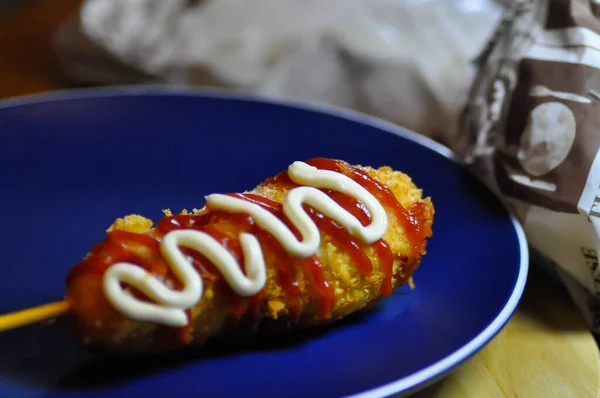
531, 130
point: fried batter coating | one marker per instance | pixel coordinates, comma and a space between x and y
221, 312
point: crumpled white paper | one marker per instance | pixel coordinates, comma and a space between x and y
407, 61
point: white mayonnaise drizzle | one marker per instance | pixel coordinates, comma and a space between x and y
171, 304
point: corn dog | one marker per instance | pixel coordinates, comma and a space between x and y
307, 247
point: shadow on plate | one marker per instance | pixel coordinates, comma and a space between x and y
47, 356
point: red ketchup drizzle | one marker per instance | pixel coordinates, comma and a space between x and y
382, 249
286, 270
244, 223
343, 239
286, 277
358, 210
410, 219
123, 246
386, 259
282, 179
117, 247
240, 305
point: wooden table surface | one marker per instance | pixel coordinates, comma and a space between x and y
545, 350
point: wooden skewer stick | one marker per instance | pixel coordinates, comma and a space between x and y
33, 315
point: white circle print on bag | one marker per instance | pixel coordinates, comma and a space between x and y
547, 138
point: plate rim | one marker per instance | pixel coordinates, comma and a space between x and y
404, 384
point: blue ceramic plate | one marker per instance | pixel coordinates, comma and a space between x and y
70, 163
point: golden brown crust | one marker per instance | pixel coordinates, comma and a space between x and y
99, 324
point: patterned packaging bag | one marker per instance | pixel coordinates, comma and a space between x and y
531, 130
